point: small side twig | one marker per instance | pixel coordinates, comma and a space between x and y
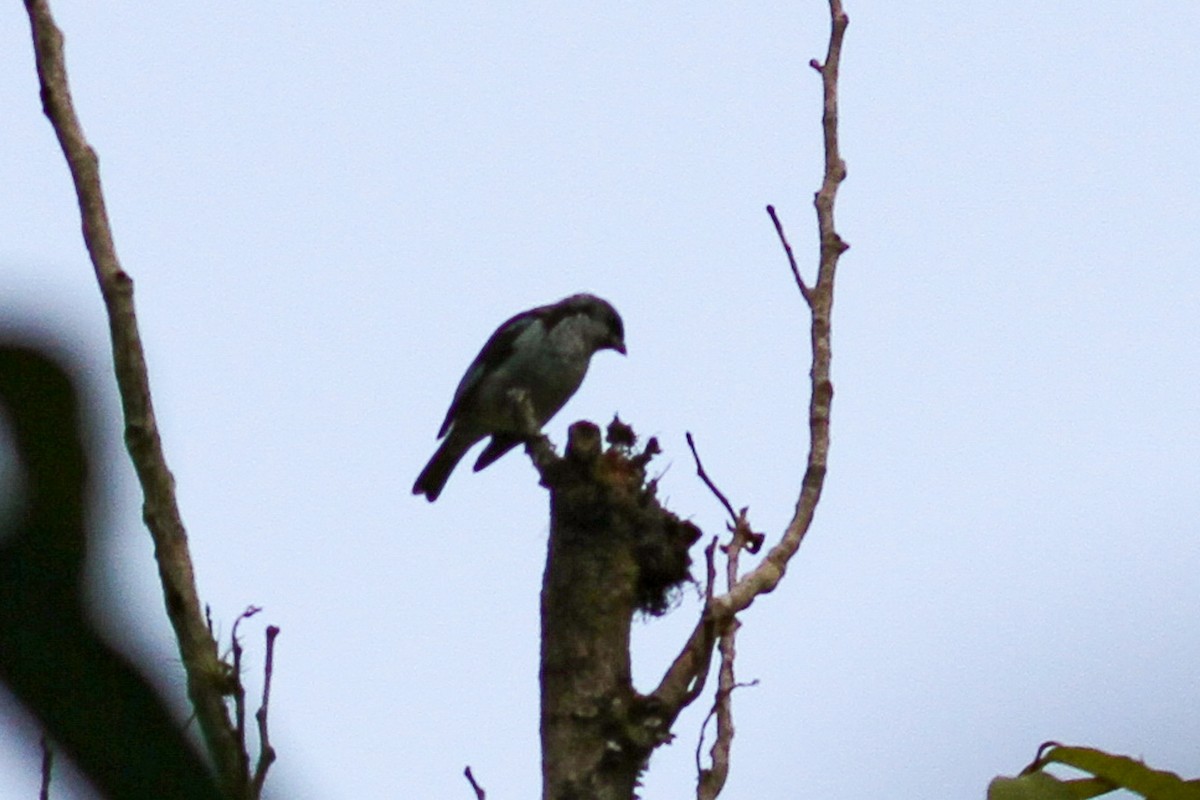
751, 540
47, 767
791, 257
266, 753
480, 794
239, 691
708, 481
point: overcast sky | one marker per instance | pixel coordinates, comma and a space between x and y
327, 208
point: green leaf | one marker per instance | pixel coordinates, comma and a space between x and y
1035, 786
1124, 772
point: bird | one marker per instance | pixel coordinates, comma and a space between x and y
542, 353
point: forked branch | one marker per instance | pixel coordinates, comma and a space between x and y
684, 679
766, 576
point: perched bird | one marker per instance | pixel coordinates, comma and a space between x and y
543, 352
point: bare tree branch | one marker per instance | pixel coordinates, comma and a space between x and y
266, 753
766, 576
685, 677
206, 675
712, 780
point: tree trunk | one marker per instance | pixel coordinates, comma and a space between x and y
613, 551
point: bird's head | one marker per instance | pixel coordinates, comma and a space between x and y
607, 327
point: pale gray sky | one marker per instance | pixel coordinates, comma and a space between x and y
327, 208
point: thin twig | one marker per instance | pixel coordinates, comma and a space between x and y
712, 780
791, 257
239, 700
708, 481
480, 794
239, 690
160, 510
266, 753
47, 767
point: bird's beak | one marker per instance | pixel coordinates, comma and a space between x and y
619, 347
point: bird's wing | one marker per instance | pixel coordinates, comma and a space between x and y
498, 349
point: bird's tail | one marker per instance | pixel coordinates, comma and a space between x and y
433, 478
